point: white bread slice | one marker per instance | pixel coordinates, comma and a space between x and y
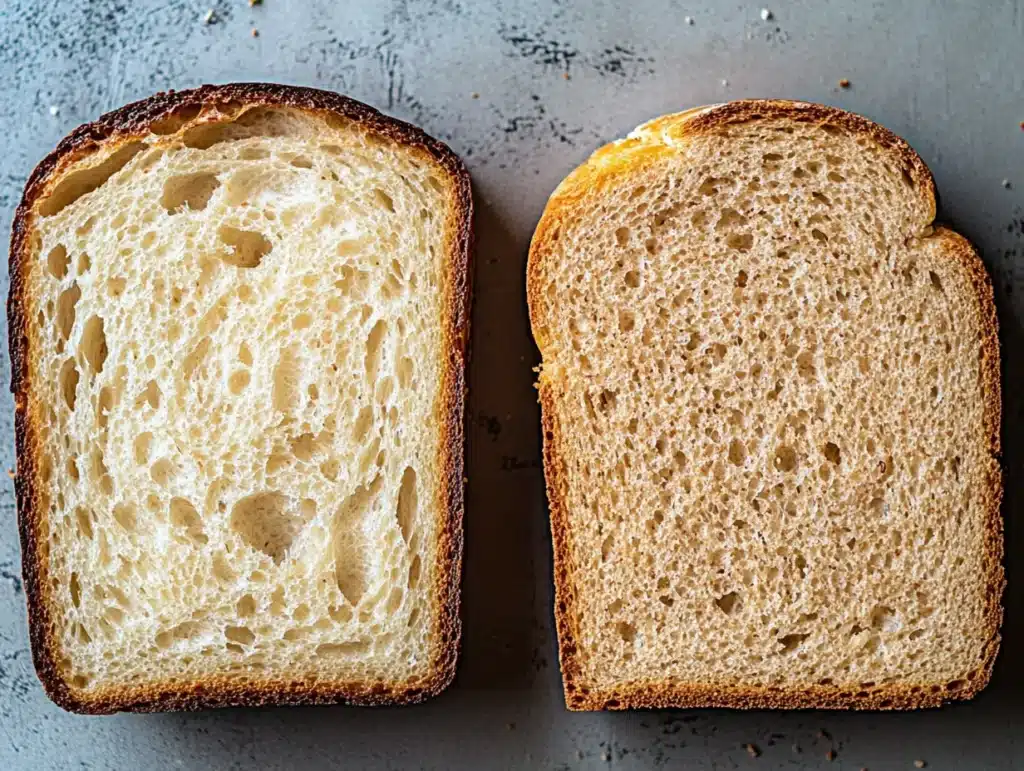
771, 405
238, 322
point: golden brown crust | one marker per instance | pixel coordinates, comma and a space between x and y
171, 113
646, 145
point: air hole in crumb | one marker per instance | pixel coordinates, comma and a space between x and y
69, 382
785, 458
632, 279
301, 162
791, 642
242, 635
936, 283
57, 261
185, 517
246, 248
832, 452
162, 471
238, 381
407, 503
83, 519
728, 603
246, 606
66, 303
188, 192
384, 200
79, 183
125, 516
93, 345
626, 631
414, 572
266, 523
327, 650
743, 242
741, 279
245, 355
737, 452
622, 236
374, 341
819, 235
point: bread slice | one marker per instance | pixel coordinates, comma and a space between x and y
770, 394
238, 320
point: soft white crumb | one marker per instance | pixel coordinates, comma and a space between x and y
765, 14
54, 109
208, 17
1006, 182
725, 82
688, 20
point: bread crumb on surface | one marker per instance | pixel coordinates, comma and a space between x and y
919, 764
688, 20
10, 473
255, 2
766, 15
725, 82
1006, 184
796, 748
752, 750
844, 82
475, 95
255, 32
830, 755
208, 17
565, 75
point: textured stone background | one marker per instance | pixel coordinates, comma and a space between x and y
490, 79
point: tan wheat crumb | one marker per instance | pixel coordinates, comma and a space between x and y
255, 32
753, 750
919, 764
844, 83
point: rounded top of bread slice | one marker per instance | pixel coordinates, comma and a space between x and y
770, 392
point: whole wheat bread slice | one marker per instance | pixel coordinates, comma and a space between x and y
771, 406
238, 319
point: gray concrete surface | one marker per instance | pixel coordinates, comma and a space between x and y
524, 91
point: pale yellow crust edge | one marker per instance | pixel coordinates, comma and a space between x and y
644, 146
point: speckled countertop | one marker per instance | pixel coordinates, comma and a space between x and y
524, 91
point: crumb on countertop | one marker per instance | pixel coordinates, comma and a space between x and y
255, 2
1007, 184
766, 15
54, 109
796, 748
688, 20
752, 750
11, 473
565, 75
844, 82
255, 32
830, 755
475, 95
209, 17
919, 764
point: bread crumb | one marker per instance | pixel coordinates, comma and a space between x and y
605, 757
54, 109
796, 748
209, 17
725, 82
475, 95
10, 473
255, 2
752, 750
255, 32
579, 754
1006, 182
844, 82
688, 20
830, 755
919, 764
766, 15
565, 75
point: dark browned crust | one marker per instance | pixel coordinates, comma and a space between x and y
602, 168
130, 123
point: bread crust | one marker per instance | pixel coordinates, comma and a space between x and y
213, 103
604, 168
